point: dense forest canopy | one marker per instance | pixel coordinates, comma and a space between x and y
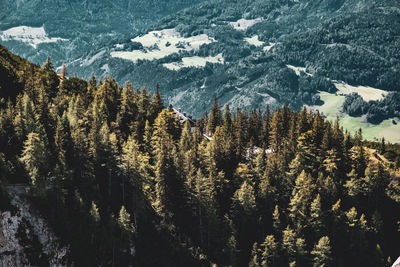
122, 181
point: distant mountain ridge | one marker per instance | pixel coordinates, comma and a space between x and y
252, 67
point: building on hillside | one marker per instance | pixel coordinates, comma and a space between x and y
183, 117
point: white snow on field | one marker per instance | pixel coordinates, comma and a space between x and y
197, 62
244, 24
159, 44
90, 61
366, 92
30, 35
106, 68
254, 41
298, 70
268, 47
270, 100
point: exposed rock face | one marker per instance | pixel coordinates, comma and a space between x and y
396, 263
11, 252
25, 238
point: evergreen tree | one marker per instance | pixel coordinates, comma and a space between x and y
34, 157
270, 251
276, 219
302, 197
215, 118
124, 220
316, 219
48, 65
94, 213
265, 128
128, 110
322, 252
157, 104
289, 244
254, 259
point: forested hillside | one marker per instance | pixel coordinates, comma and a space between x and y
81, 26
249, 53
123, 182
255, 48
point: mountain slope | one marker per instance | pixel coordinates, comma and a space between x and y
253, 42
120, 180
70, 29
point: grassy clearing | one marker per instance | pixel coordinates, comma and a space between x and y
159, 44
331, 109
197, 62
29, 35
254, 41
244, 24
366, 92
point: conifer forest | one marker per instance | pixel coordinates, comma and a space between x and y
123, 179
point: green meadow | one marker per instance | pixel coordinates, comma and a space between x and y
332, 109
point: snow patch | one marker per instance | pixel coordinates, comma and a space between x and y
106, 68
366, 92
197, 62
244, 24
204, 84
298, 70
254, 41
159, 44
268, 47
270, 99
29, 35
90, 61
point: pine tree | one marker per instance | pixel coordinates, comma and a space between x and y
276, 132
318, 129
227, 123
254, 259
316, 220
302, 125
94, 213
128, 110
108, 94
382, 146
124, 220
276, 221
185, 142
265, 128
34, 157
245, 199
289, 243
322, 252
48, 65
270, 251
157, 104
165, 172
215, 118
134, 166
301, 199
